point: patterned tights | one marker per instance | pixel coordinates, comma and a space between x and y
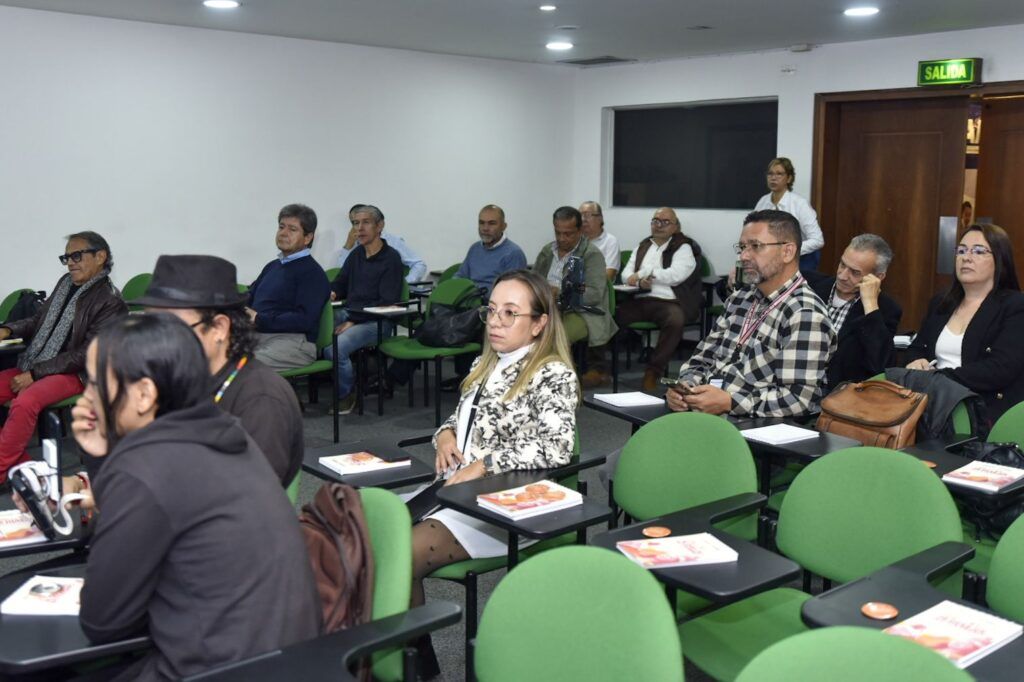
433, 546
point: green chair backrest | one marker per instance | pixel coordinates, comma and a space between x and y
387, 519
136, 286
332, 273
325, 334
611, 298
578, 613
292, 491
683, 460
449, 291
858, 510
449, 272
849, 654
705, 266
1005, 590
242, 288
624, 255
9, 302
1009, 428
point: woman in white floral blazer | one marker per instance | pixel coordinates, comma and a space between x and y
523, 418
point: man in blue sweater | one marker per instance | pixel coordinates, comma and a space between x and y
494, 254
371, 276
287, 299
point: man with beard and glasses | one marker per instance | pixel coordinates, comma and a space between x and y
768, 353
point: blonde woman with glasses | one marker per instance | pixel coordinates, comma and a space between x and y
517, 411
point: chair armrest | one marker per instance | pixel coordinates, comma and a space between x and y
728, 507
328, 657
936, 560
417, 439
423, 283
585, 461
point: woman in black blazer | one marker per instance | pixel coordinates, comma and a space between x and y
974, 331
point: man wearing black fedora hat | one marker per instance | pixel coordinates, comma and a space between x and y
202, 291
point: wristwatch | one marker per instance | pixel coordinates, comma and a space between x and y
488, 461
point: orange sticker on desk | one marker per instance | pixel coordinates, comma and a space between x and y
877, 610
928, 463
656, 531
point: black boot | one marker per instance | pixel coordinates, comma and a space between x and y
427, 667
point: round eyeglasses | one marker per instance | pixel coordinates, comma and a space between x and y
506, 317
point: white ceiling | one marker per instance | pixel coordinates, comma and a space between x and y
517, 30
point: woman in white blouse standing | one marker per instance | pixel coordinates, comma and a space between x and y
781, 197
517, 411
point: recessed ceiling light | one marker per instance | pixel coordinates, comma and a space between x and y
559, 45
861, 11
547, 8
221, 4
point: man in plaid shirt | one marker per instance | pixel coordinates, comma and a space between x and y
767, 354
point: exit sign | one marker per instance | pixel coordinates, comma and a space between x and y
949, 72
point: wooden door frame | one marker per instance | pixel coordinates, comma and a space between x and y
826, 128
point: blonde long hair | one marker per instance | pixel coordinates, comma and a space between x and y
551, 346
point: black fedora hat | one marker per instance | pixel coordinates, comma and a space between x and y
193, 282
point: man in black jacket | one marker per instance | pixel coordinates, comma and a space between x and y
864, 318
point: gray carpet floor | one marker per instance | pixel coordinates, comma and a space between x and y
599, 434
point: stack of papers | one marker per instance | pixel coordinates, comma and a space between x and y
386, 309
779, 434
903, 341
678, 550
634, 399
530, 500
45, 596
960, 633
360, 463
985, 476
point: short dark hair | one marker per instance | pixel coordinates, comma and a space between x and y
1005, 275
157, 346
566, 213
782, 225
306, 216
242, 340
355, 208
95, 241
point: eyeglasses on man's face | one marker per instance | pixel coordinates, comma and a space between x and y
506, 316
976, 250
755, 247
776, 174
75, 256
658, 222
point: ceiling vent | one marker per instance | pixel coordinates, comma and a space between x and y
596, 61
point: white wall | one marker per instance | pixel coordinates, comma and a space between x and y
178, 140
867, 65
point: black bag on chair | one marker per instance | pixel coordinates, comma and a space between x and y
452, 325
987, 519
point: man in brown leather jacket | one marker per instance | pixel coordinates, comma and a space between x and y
56, 337
666, 270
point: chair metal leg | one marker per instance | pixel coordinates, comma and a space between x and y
471, 621
806, 580
615, 364
437, 391
613, 522
334, 393
409, 664
412, 387
426, 383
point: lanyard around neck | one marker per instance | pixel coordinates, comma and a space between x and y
231, 377
750, 324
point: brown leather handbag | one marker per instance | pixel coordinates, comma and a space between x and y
878, 413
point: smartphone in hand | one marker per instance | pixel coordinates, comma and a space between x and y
684, 387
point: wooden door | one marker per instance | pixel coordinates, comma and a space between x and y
1001, 170
900, 167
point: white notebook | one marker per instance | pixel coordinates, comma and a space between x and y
779, 434
633, 399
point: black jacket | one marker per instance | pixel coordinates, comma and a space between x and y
101, 303
992, 362
197, 542
865, 341
269, 411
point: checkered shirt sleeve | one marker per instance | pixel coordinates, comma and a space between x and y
780, 370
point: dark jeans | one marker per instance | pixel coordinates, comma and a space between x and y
668, 315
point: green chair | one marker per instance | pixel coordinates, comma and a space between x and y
1009, 428
387, 519
293, 488
242, 288
10, 301
578, 613
848, 514
1005, 593
332, 273
134, 288
449, 272
710, 310
466, 572
624, 255
680, 461
410, 349
850, 654
324, 339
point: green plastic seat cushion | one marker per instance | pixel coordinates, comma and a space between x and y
405, 348
314, 367
459, 569
721, 642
